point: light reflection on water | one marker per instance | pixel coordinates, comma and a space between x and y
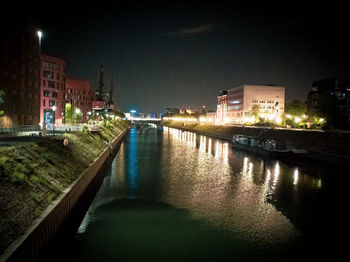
222, 190
228, 189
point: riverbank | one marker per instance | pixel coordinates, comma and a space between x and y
34, 174
328, 147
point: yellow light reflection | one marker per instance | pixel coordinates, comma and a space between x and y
268, 176
209, 146
276, 174
225, 151
296, 176
217, 153
245, 165
250, 169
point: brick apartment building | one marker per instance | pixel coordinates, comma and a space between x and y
53, 85
80, 95
19, 75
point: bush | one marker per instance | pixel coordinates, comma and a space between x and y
17, 178
85, 129
34, 179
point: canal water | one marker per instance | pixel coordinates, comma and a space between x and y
176, 196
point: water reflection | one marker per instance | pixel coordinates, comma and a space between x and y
203, 143
132, 160
296, 176
222, 190
251, 197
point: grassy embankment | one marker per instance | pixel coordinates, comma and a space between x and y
33, 174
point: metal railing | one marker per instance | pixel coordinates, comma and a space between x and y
19, 129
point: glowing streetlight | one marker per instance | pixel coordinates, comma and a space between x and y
297, 120
53, 124
40, 35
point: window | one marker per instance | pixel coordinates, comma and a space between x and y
54, 94
48, 74
51, 103
46, 93
44, 102
51, 84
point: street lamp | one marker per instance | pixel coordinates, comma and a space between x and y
77, 112
54, 119
40, 35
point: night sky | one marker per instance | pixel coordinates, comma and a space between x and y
182, 54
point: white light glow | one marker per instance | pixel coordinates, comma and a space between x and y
296, 176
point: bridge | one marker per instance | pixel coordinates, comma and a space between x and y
143, 122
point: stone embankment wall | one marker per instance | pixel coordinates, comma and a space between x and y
28, 246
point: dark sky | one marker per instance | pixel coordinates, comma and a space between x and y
177, 54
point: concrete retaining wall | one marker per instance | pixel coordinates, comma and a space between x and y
28, 246
328, 147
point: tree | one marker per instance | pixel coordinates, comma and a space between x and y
77, 116
295, 108
68, 113
255, 112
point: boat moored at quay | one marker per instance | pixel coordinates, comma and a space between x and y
270, 148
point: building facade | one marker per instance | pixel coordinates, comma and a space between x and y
327, 90
81, 96
53, 86
222, 108
235, 105
19, 76
171, 111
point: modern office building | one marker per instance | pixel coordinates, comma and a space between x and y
19, 75
53, 85
81, 96
235, 105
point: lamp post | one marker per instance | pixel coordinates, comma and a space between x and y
40, 35
77, 112
54, 119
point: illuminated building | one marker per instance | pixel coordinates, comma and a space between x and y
80, 95
53, 85
211, 117
19, 75
222, 107
235, 105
